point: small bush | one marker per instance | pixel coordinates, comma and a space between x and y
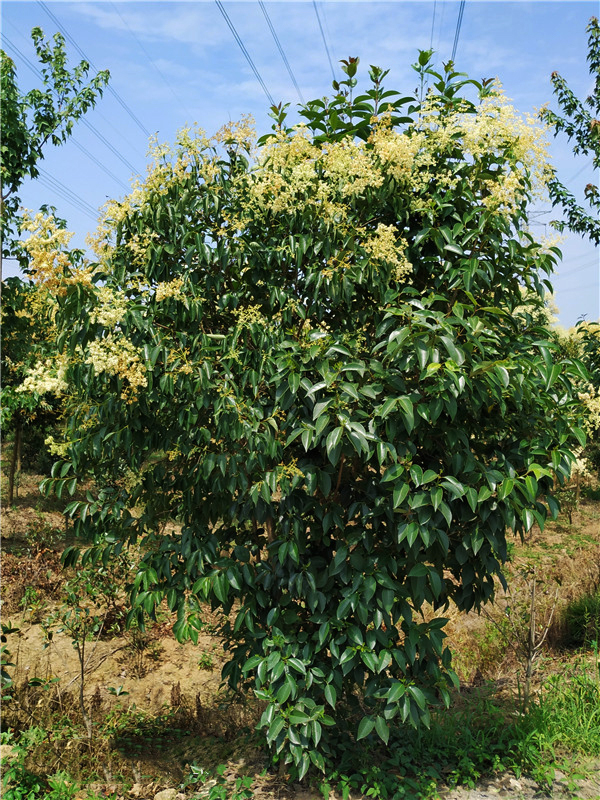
581, 621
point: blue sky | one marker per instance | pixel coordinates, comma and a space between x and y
173, 63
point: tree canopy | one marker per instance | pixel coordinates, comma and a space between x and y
578, 120
29, 123
42, 116
301, 374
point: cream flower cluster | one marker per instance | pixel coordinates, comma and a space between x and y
385, 246
46, 377
119, 357
591, 401
49, 260
347, 164
56, 448
249, 315
167, 289
112, 307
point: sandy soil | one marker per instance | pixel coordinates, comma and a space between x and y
158, 675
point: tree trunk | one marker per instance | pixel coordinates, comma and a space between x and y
15, 461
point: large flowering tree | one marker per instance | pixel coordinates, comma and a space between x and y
302, 374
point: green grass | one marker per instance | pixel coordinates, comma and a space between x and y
484, 734
581, 621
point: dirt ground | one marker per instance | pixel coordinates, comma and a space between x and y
157, 675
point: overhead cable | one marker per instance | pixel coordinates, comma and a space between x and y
7, 43
150, 59
324, 39
579, 288
567, 273
111, 147
432, 25
458, 27
582, 169
88, 125
242, 47
50, 182
280, 48
117, 97
99, 164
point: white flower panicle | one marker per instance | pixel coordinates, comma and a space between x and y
118, 357
111, 309
50, 263
46, 377
167, 289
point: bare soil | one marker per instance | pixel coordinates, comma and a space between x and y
158, 677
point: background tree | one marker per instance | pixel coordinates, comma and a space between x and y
29, 122
27, 333
313, 356
42, 116
580, 122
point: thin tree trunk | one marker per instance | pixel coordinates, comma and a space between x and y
19, 448
15, 461
86, 717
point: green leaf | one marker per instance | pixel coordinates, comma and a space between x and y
418, 696
330, 695
395, 692
297, 665
306, 437
382, 729
275, 729
369, 660
321, 407
454, 486
333, 440
365, 727
387, 407
298, 717
505, 488
399, 494
284, 693
408, 416
455, 354
392, 473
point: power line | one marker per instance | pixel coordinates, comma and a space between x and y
582, 169
88, 125
579, 288
458, 27
432, 25
7, 43
567, 273
281, 52
107, 144
152, 62
99, 164
72, 41
242, 47
74, 199
324, 39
